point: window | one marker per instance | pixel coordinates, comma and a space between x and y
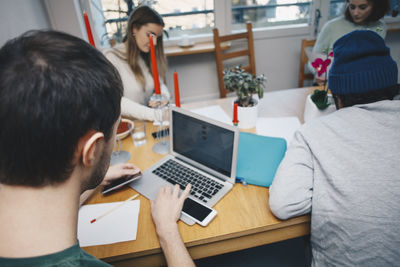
183, 16
115, 15
198, 17
336, 8
190, 17
194, 17
265, 13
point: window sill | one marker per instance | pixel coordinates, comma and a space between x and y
281, 31
198, 48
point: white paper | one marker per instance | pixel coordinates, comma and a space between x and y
214, 112
117, 226
283, 127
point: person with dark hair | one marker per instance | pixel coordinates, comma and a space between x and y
132, 59
364, 12
59, 111
344, 167
358, 15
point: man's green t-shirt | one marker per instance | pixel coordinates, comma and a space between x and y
73, 256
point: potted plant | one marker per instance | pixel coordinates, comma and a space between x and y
320, 102
245, 85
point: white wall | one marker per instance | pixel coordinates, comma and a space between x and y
18, 16
66, 16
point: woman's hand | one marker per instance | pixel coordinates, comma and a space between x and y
155, 104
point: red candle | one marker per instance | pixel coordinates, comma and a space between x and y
235, 114
176, 85
154, 66
88, 29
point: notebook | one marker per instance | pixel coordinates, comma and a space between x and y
203, 152
266, 155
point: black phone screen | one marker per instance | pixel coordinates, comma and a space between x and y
195, 209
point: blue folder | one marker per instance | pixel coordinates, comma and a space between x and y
258, 158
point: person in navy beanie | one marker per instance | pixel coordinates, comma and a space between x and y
363, 70
344, 167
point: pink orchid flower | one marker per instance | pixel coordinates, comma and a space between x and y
321, 65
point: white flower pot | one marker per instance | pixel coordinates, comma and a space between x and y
247, 116
311, 111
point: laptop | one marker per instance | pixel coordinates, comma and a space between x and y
203, 152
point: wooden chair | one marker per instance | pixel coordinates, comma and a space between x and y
221, 57
303, 61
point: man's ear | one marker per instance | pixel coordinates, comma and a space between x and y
89, 148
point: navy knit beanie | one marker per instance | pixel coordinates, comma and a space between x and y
362, 63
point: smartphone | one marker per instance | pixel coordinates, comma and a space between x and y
198, 212
120, 182
162, 133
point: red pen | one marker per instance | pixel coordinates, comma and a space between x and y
112, 209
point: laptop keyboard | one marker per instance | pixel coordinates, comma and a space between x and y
203, 188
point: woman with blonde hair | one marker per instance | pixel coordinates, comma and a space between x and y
132, 59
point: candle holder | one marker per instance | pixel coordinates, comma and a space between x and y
161, 111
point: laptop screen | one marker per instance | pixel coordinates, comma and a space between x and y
203, 142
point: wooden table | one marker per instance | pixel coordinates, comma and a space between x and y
244, 219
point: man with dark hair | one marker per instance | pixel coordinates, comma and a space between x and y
344, 168
59, 111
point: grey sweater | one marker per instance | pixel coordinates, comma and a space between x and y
344, 168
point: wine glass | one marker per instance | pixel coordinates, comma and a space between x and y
161, 109
119, 155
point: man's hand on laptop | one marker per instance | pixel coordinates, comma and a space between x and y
166, 208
